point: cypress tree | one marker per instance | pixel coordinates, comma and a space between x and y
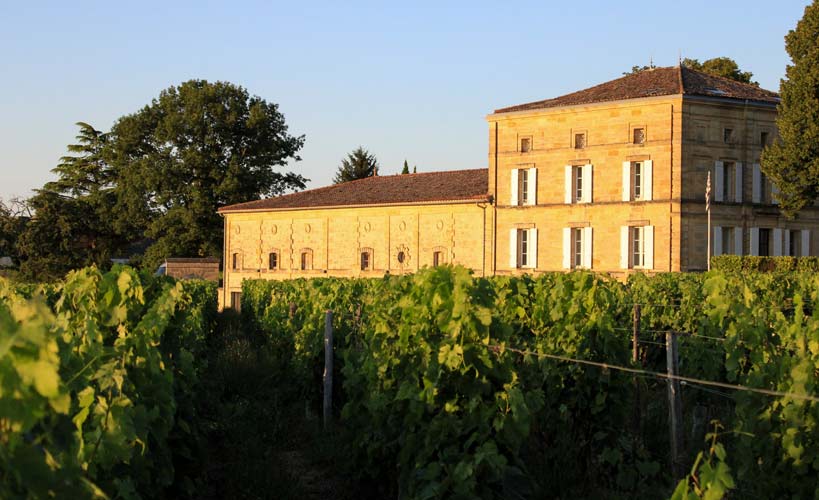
406, 168
792, 162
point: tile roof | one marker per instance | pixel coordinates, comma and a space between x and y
656, 82
453, 185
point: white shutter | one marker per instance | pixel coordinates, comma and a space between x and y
568, 192
648, 247
567, 248
648, 180
719, 178
774, 192
756, 188
532, 250
587, 183
738, 182
737, 241
587, 247
787, 248
805, 243
754, 241
626, 181
532, 187
717, 241
513, 200
777, 237
624, 230
513, 248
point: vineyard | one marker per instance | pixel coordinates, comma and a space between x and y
447, 385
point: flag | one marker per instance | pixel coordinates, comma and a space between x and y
708, 193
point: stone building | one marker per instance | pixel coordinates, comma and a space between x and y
610, 178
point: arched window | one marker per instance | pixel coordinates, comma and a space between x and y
306, 259
273, 260
366, 259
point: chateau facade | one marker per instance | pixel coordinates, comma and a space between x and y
610, 178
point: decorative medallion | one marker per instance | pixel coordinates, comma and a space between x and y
439, 225
274, 229
367, 227
237, 229
307, 228
402, 225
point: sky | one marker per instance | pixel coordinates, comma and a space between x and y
413, 82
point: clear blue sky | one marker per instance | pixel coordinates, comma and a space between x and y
413, 82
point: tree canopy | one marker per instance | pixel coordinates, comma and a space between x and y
721, 66
195, 148
359, 164
405, 170
792, 162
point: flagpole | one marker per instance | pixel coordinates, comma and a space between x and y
708, 215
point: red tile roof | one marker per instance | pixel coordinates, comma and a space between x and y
453, 185
656, 82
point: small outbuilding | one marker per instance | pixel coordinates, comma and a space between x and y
205, 268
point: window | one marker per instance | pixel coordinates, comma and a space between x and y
306, 263
639, 136
236, 301
578, 184
727, 240
728, 135
437, 258
273, 261
728, 181
525, 144
764, 242
523, 248
366, 259
580, 140
577, 247
794, 240
727, 186
637, 247
763, 139
524, 186
402, 257
638, 180
236, 261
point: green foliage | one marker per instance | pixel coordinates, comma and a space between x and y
721, 66
405, 170
195, 148
792, 163
97, 376
710, 477
359, 164
740, 263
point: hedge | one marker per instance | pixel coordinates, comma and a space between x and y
742, 263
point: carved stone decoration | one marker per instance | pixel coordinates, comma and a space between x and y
367, 227
402, 225
439, 225
307, 228
274, 229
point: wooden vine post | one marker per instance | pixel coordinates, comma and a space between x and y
635, 358
674, 406
328, 368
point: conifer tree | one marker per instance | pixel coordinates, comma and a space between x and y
792, 162
406, 168
359, 164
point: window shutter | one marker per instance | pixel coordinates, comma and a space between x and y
626, 181
805, 243
648, 178
587, 247
717, 241
532, 250
787, 248
777, 237
737, 241
513, 200
513, 248
756, 188
567, 248
648, 247
738, 182
587, 183
568, 184
774, 192
624, 230
754, 241
719, 178
532, 187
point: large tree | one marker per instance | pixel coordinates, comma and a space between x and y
721, 66
71, 226
14, 215
195, 148
359, 164
792, 162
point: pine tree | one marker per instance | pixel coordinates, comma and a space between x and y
406, 168
359, 164
792, 163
